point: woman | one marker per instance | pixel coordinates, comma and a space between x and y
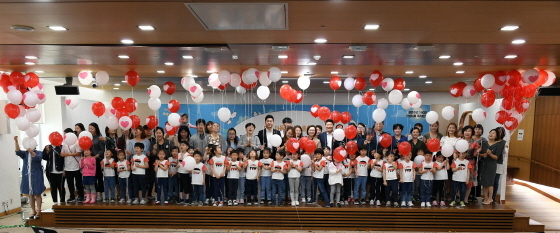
160, 143
500, 134
472, 157
489, 163
232, 140
32, 173
312, 135
182, 136
421, 128
249, 141
416, 143
209, 127
397, 138
214, 138
451, 137
139, 136
111, 139
298, 131
122, 141
78, 128
290, 133
97, 151
361, 137
434, 132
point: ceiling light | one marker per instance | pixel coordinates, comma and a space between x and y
371, 26
509, 28
409, 72
458, 63
444, 57
284, 81
194, 76
284, 72
372, 89
280, 47
460, 72
117, 84
22, 28
209, 71
311, 63
334, 72
161, 72
123, 81
326, 82
422, 76
146, 28
348, 56
188, 57
123, 56
235, 57
406, 89
37, 71
518, 41
428, 82
31, 57
510, 56
168, 63
115, 88
320, 41
282, 56
57, 28
127, 41
30, 63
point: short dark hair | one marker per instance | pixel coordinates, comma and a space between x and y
329, 120
398, 126
286, 120
249, 124
419, 126
479, 126
319, 151
319, 127
68, 130
140, 145
185, 115
352, 123
362, 147
281, 153
234, 152
412, 130
268, 116
200, 121
197, 153
466, 128
174, 148
145, 127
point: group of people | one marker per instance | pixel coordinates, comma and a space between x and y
208, 168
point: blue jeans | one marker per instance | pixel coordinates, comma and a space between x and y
266, 189
406, 191
161, 188
305, 186
139, 183
391, 190
174, 186
198, 193
241, 188
110, 187
321, 184
218, 187
458, 186
360, 187
123, 185
278, 187
426, 190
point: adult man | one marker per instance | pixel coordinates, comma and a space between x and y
287, 122
198, 141
326, 138
266, 133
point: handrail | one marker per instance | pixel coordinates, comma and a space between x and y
535, 162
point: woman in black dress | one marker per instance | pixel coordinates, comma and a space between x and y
488, 165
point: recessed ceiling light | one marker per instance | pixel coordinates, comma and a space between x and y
161, 72
117, 84
30, 63
320, 41
188, 57
348, 56
372, 89
115, 88
31, 57
57, 28
127, 41
284, 81
326, 82
406, 89
209, 71
235, 57
282, 56
509, 28
37, 71
428, 82
422, 76
146, 27
444, 57
312, 63
123, 56
458, 63
123, 81
510, 56
194, 76
168, 63
371, 26
460, 72
284, 72
334, 72
518, 41
409, 72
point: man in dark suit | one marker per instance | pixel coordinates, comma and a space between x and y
372, 139
326, 138
267, 132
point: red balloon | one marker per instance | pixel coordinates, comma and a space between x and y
151, 121
315, 110
404, 148
477, 85
360, 83
11, 110
31, 80
302, 141
85, 143
5, 80
310, 146
98, 109
292, 145
120, 113
335, 116
377, 81
324, 113
284, 91
117, 103
511, 123
530, 90
292, 96
346, 117
386, 140
433, 144
130, 104
501, 78
501, 116
169, 88
135, 121
487, 99
507, 103
174, 106
170, 130
55, 138
335, 83
455, 90
350, 132
399, 84
522, 106
16, 78
223, 86
299, 97
132, 78
508, 91
352, 147
339, 154
543, 76
368, 98
514, 77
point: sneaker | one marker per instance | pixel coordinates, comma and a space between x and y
297, 203
403, 204
215, 204
80, 199
462, 204
434, 203
442, 204
328, 205
200, 203
129, 201
423, 204
181, 201
269, 202
356, 203
229, 202
410, 204
378, 202
345, 202
248, 203
135, 202
221, 204
158, 202
293, 204
262, 201
363, 202
143, 202
121, 200
166, 203
388, 203
452, 204
428, 204
113, 200
71, 200
256, 203
396, 204
241, 201
99, 198
371, 202
309, 200
338, 204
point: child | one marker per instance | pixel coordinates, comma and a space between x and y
139, 164
460, 168
185, 186
185, 122
161, 167
242, 175
416, 189
336, 170
328, 159
278, 169
108, 164
233, 177
253, 167
296, 166
361, 165
390, 180
376, 175
173, 189
306, 192
209, 187
123, 167
198, 174
266, 175
318, 174
87, 164
427, 169
440, 179
218, 164
407, 168
349, 175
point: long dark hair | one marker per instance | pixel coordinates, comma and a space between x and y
107, 132
235, 139
81, 126
183, 128
96, 127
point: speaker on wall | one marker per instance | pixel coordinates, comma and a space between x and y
67, 88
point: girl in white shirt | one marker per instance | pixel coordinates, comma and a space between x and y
234, 166
336, 170
296, 166
218, 164
253, 168
108, 164
161, 167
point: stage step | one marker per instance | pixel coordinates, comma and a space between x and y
523, 223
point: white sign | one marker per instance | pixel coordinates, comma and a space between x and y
520, 133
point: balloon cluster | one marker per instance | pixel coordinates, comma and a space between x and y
290, 94
325, 113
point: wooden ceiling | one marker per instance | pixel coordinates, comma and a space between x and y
468, 31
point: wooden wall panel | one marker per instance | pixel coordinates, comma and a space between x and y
546, 142
519, 149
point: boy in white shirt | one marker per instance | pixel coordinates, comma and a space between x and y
123, 168
173, 189
161, 167
198, 173
361, 164
427, 169
233, 168
278, 169
460, 168
139, 164
407, 169
318, 165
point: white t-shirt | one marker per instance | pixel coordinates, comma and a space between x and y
252, 169
319, 174
180, 157
442, 173
279, 166
407, 169
427, 166
376, 164
123, 166
269, 134
235, 167
294, 173
361, 164
461, 174
391, 171
160, 172
173, 165
328, 160
329, 140
198, 174
219, 164
446, 140
71, 163
266, 162
107, 170
139, 160
347, 163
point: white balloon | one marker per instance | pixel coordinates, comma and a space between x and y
357, 100
112, 122
102, 77
41, 96
263, 92
447, 150
275, 140
419, 159
85, 77
154, 103
30, 99
468, 91
224, 76
379, 115
213, 80
125, 122
530, 76
306, 160
274, 74
174, 119
413, 97
251, 76
240, 90
338, 134
70, 139
109, 110
22, 111
224, 114
395, 96
550, 80
431, 117
303, 82
187, 82
497, 88
517, 116
417, 104
405, 104
349, 83
382, 103
448, 112
461, 145
72, 103
85, 134
235, 80
154, 91
199, 98
22, 123
29, 143
33, 115
487, 81
189, 163
32, 131
15, 97
387, 84
479, 115
39, 87
195, 90
263, 79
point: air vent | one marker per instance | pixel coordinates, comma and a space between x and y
358, 48
280, 47
23, 28
241, 16
424, 47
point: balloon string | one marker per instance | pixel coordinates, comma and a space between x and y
348, 101
334, 99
